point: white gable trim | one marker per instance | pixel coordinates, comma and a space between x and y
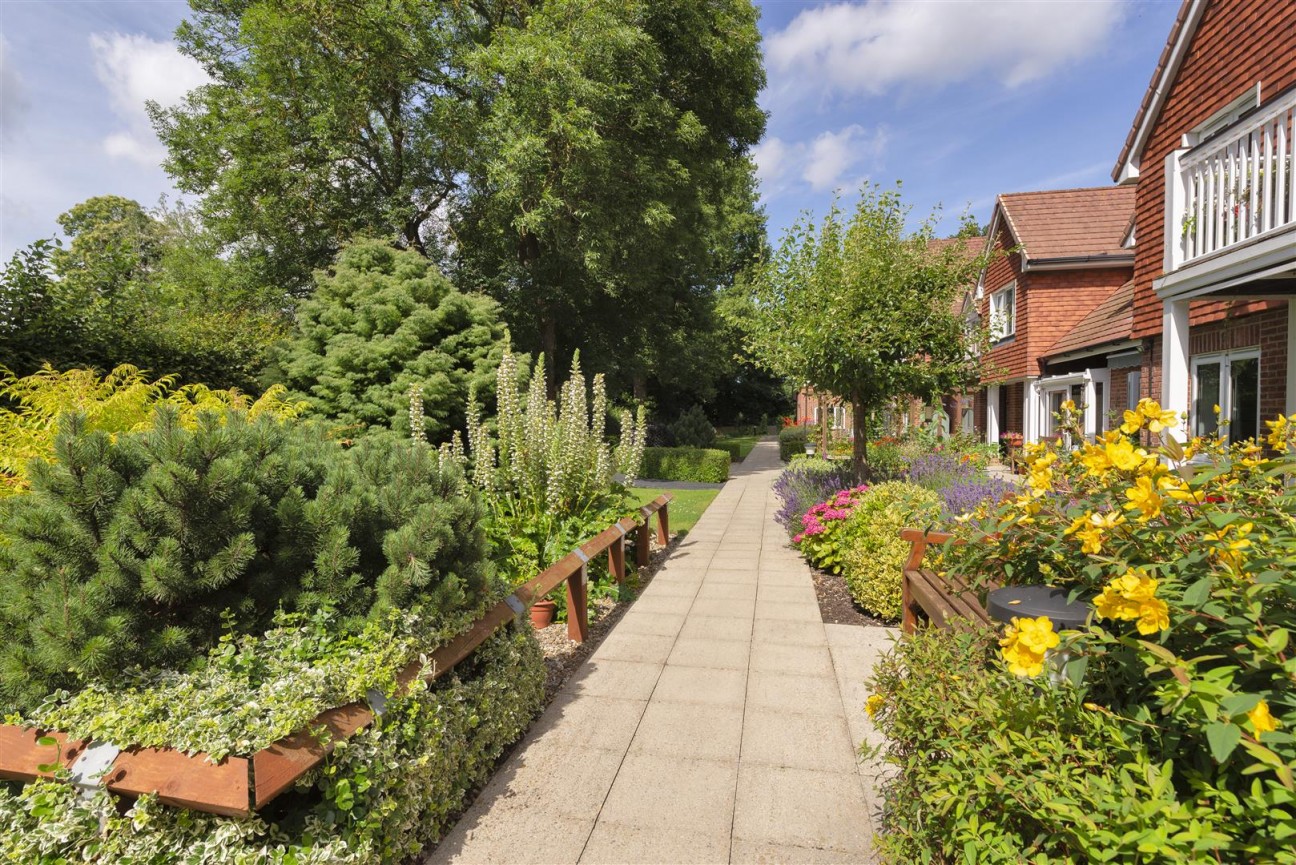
1127, 171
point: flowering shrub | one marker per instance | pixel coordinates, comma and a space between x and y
806, 483
961, 482
820, 538
874, 554
1187, 551
1011, 439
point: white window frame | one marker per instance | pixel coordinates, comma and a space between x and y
1002, 327
1133, 388
1225, 360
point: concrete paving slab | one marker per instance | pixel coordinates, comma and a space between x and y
671, 794
690, 730
724, 608
628, 845
643, 622
788, 632
585, 721
706, 685
793, 694
727, 591
793, 660
717, 628
801, 808
802, 594
644, 648
704, 652
757, 853
819, 742
602, 677
791, 611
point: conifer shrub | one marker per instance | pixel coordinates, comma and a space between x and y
140, 550
381, 321
693, 430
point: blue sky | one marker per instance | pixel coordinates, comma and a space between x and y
960, 99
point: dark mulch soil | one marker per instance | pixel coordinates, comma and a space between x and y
836, 605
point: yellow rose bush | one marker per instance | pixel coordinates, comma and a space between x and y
1171, 735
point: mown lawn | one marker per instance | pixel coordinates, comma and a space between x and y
745, 444
685, 508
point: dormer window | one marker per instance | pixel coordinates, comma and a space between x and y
1003, 313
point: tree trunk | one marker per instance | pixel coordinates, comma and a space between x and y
640, 385
859, 428
549, 345
823, 427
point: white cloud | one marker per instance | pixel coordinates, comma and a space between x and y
134, 69
13, 93
833, 154
830, 161
875, 46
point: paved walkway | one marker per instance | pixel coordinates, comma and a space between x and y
716, 723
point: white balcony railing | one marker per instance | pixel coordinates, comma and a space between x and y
1235, 186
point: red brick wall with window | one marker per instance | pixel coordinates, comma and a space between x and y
1237, 43
1063, 298
1266, 330
1008, 358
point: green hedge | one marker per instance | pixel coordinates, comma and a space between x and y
734, 449
381, 797
792, 441
686, 464
873, 554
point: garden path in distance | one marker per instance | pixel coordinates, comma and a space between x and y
716, 723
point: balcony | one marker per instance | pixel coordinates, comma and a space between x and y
1231, 204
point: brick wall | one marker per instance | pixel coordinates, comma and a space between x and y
1016, 398
1006, 359
1237, 43
1060, 299
1266, 330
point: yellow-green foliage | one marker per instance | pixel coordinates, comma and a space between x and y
121, 401
874, 553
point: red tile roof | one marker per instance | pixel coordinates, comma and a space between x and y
1111, 321
1071, 223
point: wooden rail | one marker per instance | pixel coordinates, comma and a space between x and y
238, 785
946, 599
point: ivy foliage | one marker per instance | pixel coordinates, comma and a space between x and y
380, 797
384, 321
143, 549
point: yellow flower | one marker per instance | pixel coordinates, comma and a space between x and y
1230, 551
1068, 405
1089, 530
1024, 643
1132, 597
1261, 721
1157, 418
1133, 422
1280, 431
1144, 498
1124, 456
1095, 460
874, 704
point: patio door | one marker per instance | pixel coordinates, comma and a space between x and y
1230, 380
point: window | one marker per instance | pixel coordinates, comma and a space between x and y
1134, 386
1003, 313
1232, 382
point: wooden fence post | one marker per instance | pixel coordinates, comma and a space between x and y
577, 611
616, 559
663, 526
641, 543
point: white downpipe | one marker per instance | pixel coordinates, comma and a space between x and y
992, 414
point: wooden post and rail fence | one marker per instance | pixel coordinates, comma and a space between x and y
236, 786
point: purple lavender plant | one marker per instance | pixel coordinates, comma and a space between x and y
805, 484
964, 495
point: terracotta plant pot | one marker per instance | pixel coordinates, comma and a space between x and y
542, 613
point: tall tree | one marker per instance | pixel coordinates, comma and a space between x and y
863, 309
614, 134
323, 120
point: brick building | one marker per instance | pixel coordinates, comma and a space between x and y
1051, 297
1210, 155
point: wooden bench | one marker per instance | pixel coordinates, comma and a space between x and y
946, 599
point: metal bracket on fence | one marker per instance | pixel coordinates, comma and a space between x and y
580, 554
377, 700
515, 605
89, 768
621, 530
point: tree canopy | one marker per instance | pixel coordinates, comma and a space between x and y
860, 307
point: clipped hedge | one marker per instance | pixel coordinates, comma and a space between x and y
705, 465
382, 796
792, 441
873, 553
734, 449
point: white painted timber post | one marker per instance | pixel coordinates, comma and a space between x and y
992, 414
1090, 406
1176, 208
1174, 357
